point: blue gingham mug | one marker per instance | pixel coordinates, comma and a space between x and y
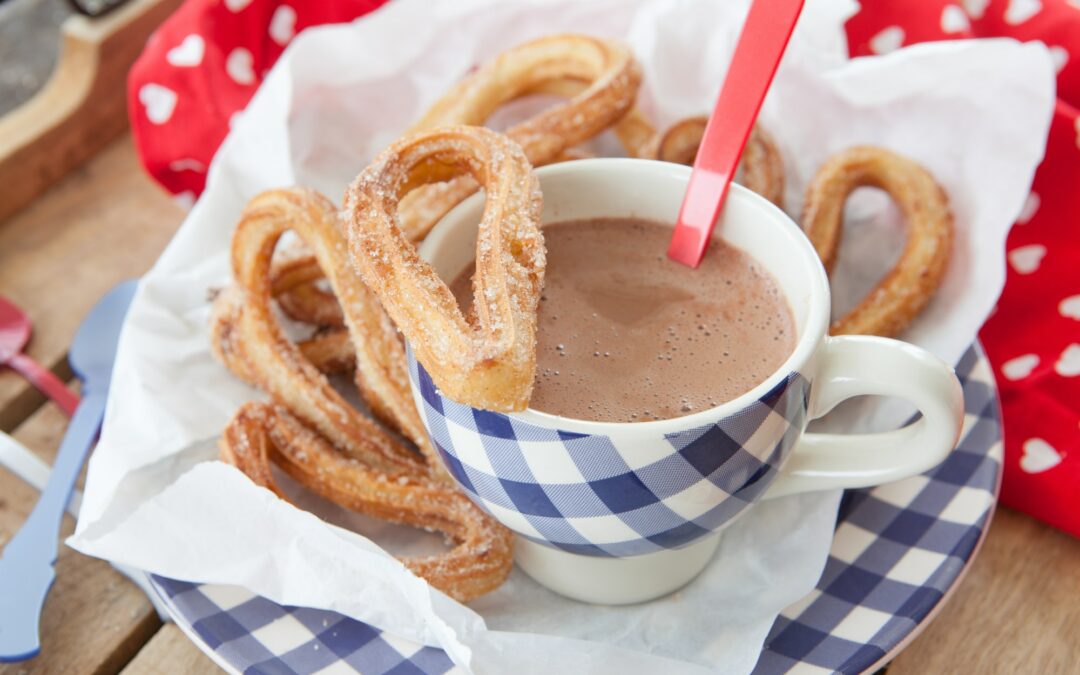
613, 513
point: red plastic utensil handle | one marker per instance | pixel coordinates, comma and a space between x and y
43, 378
761, 44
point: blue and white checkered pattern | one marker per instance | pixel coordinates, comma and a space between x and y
898, 549
255, 636
586, 494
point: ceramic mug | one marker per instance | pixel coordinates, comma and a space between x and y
613, 513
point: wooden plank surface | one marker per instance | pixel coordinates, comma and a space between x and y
103, 223
1017, 611
82, 108
169, 652
95, 620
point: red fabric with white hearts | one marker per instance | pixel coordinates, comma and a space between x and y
1033, 338
205, 62
202, 66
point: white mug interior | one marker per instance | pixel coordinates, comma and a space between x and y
635, 188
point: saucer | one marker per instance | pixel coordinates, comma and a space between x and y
897, 551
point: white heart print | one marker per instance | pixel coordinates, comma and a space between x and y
1039, 456
1026, 259
236, 5
238, 66
188, 53
976, 8
1070, 307
1019, 367
1020, 11
1068, 364
887, 40
158, 101
954, 19
1060, 57
283, 25
187, 164
1031, 206
185, 199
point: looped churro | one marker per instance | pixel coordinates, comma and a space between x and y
330, 351
906, 289
488, 361
608, 78
634, 130
294, 283
314, 434
761, 169
244, 321
600, 79
480, 558
608, 68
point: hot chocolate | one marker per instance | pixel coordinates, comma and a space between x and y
626, 335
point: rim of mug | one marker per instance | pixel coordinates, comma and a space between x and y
810, 336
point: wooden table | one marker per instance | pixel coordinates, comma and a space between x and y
1017, 611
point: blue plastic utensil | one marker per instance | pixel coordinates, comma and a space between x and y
27, 563
21, 461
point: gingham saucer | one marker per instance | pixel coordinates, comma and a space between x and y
897, 551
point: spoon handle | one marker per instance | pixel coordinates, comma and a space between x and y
43, 378
764, 37
26, 565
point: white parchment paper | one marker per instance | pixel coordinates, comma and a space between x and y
974, 113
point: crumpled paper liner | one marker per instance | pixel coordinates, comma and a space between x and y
974, 113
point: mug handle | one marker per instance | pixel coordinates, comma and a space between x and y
862, 365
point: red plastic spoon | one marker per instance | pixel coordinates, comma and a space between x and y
761, 44
14, 332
